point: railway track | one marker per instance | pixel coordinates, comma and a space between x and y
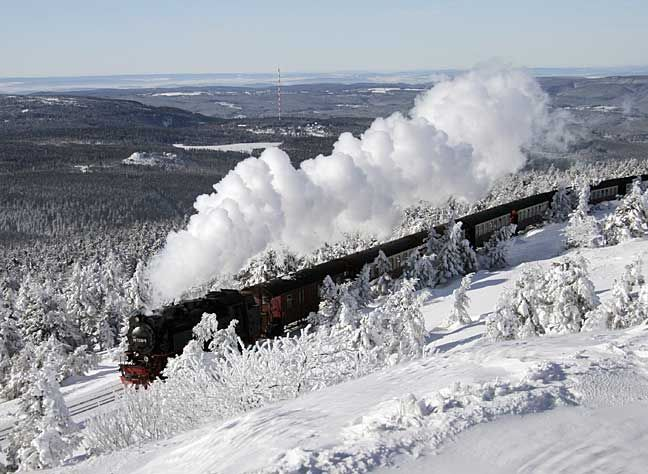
104, 398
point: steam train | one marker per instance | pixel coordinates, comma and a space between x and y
263, 310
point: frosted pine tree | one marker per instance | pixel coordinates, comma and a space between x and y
10, 341
422, 270
459, 313
41, 314
348, 314
568, 296
45, 435
561, 205
583, 230
362, 285
138, 292
516, 312
630, 218
626, 307
435, 241
329, 304
495, 250
456, 257
382, 267
399, 324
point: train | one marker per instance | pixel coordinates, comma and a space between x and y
265, 309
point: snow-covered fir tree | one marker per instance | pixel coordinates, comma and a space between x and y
555, 301
583, 230
382, 268
395, 330
422, 270
627, 306
41, 313
361, 286
456, 257
461, 301
561, 205
329, 304
45, 434
630, 218
495, 252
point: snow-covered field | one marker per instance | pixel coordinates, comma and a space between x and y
237, 147
571, 403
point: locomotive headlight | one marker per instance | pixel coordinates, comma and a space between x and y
146, 359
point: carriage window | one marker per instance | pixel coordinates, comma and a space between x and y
301, 296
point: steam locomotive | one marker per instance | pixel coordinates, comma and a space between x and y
263, 310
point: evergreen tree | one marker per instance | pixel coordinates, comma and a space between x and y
456, 257
630, 218
382, 268
40, 313
583, 230
626, 307
362, 285
329, 304
45, 435
561, 205
459, 313
495, 250
555, 301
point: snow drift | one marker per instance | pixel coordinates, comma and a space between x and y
461, 136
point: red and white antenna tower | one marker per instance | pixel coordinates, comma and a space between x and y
279, 92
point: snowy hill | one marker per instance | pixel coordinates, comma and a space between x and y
569, 403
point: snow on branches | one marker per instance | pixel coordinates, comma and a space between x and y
582, 229
552, 301
459, 313
630, 218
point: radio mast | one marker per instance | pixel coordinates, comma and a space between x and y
279, 92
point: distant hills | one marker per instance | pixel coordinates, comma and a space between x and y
22, 85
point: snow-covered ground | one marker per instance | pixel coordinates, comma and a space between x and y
572, 403
238, 147
160, 160
84, 395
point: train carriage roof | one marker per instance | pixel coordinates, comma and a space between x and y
353, 263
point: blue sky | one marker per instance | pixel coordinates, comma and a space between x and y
87, 37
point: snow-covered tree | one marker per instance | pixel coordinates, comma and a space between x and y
382, 267
554, 301
45, 435
422, 270
362, 285
394, 330
218, 341
329, 304
495, 252
347, 314
10, 339
626, 307
138, 291
64, 362
40, 313
561, 205
569, 295
459, 313
456, 256
583, 230
630, 218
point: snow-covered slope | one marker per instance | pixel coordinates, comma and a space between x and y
572, 403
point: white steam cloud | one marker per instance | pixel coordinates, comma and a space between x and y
461, 136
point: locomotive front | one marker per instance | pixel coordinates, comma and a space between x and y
145, 358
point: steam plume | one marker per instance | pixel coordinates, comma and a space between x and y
460, 136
